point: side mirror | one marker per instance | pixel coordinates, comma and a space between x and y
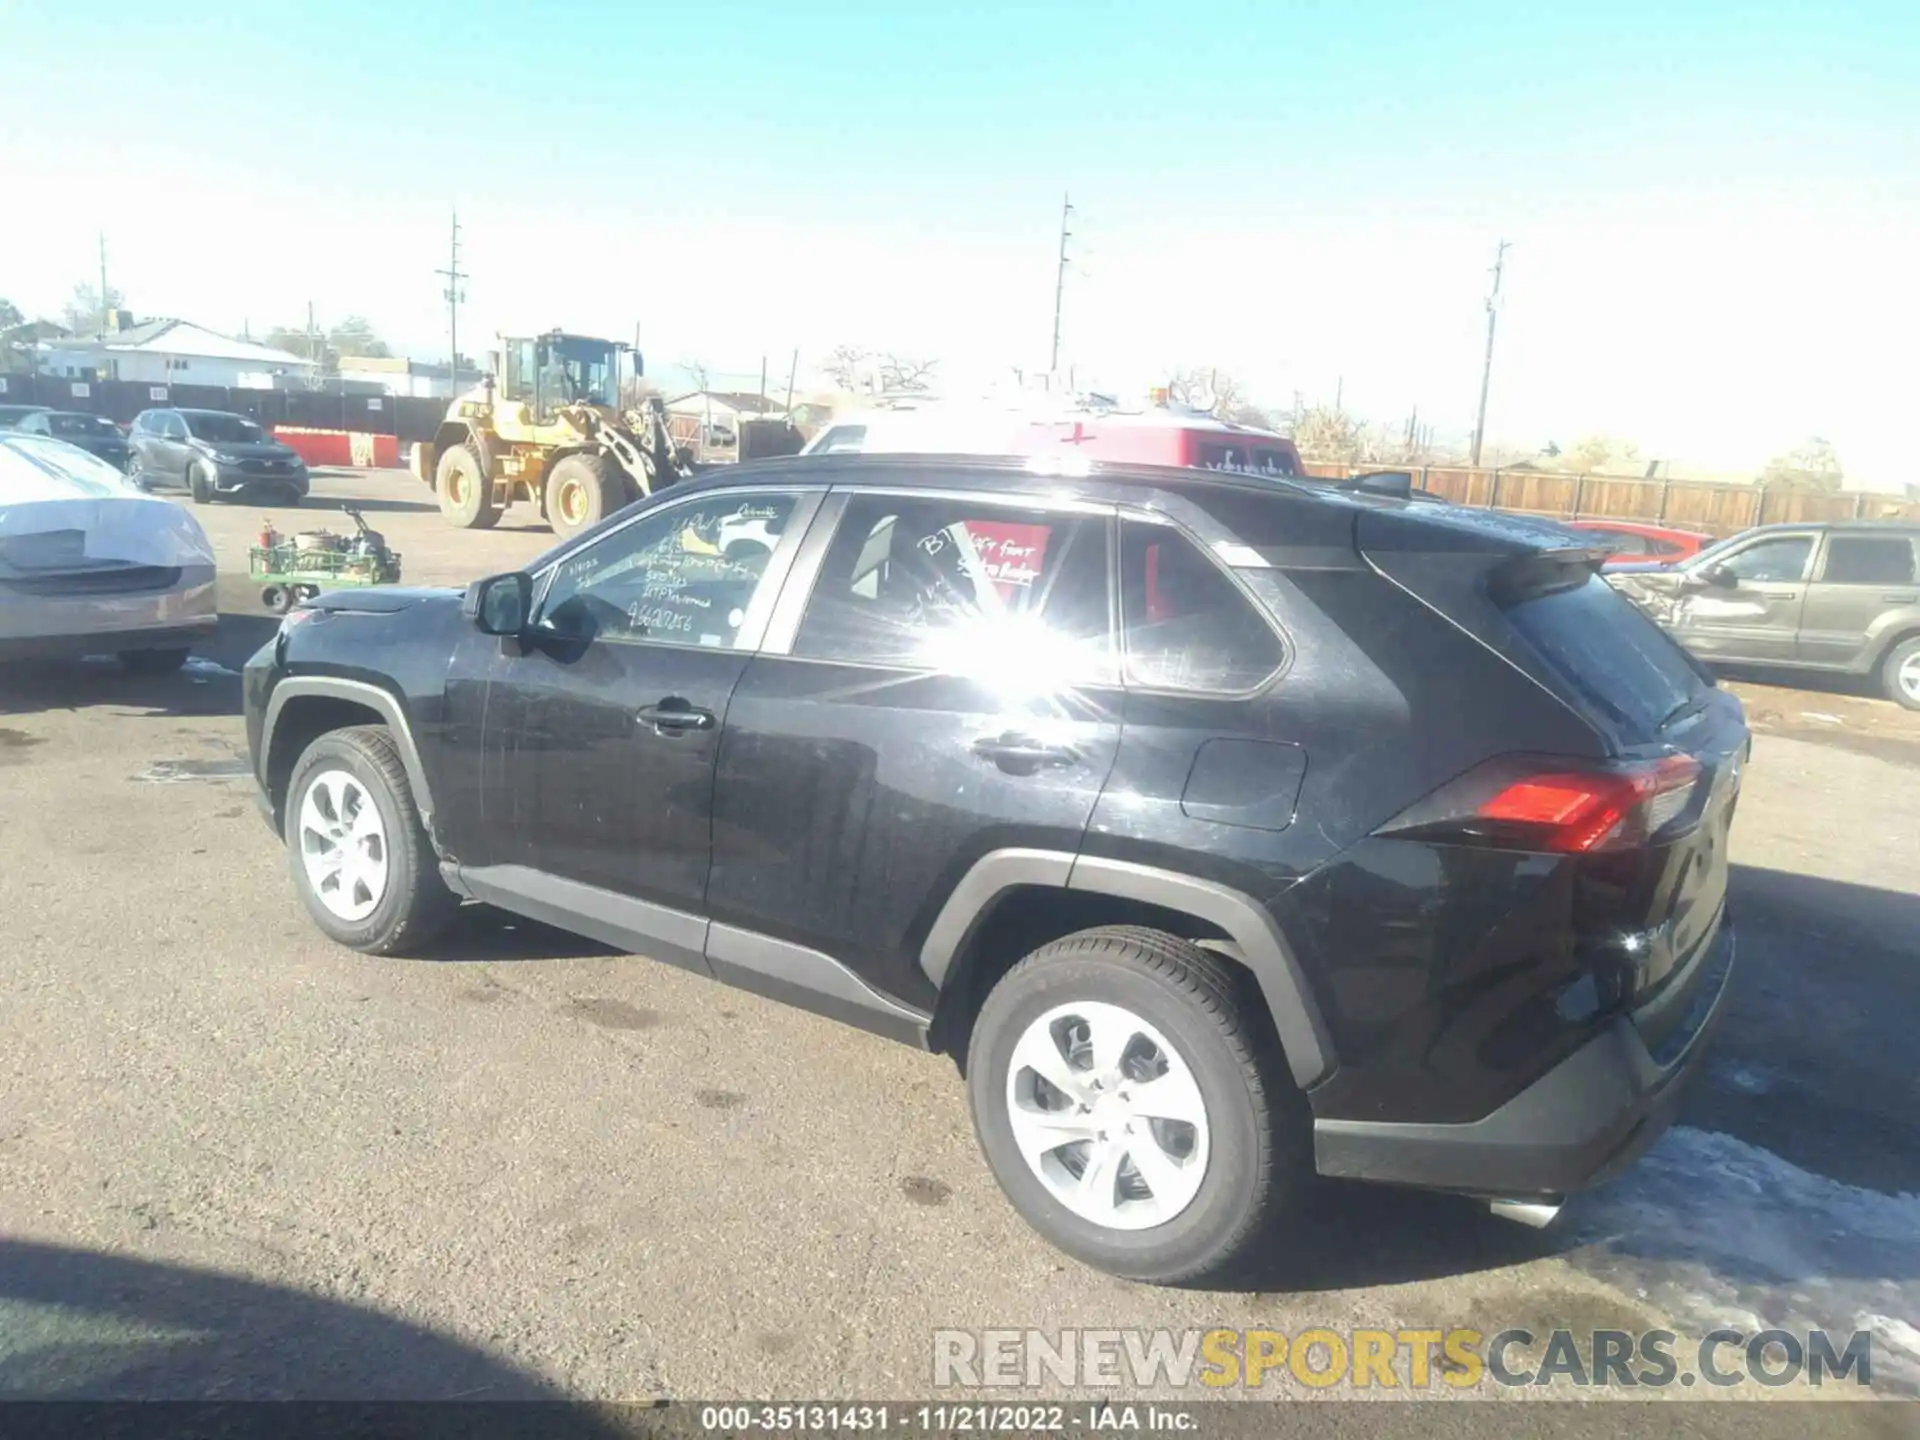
1718, 576
500, 604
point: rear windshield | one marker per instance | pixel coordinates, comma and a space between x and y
231, 428
1246, 459
1601, 644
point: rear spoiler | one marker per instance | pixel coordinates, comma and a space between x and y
1388, 484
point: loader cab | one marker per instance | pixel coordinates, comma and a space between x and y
544, 372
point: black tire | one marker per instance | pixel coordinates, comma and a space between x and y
581, 491
154, 662
466, 493
1898, 659
200, 485
277, 598
1260, 1141
416, 904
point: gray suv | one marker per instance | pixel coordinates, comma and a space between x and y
1841, 597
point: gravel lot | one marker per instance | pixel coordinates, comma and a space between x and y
239, 1161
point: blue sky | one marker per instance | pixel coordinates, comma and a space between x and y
1714, 208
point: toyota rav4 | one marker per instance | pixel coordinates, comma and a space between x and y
1225, 830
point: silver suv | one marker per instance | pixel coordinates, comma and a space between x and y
1836, 597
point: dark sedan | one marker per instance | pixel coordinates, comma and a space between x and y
94, 434
12, 415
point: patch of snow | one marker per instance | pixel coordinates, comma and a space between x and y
1720, 1232
1822, 716
199, 665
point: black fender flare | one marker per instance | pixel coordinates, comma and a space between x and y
1258, 941
383, 702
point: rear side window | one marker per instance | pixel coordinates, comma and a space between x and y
1869, 560
843, 440
1186, 625
963, 586
1601, 644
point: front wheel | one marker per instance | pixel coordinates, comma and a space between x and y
582, 490
200, 485
1132, 1107
1900, 673
360, 855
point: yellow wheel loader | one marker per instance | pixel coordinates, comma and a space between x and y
549, 432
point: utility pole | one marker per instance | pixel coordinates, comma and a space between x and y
1060, 282
453, 295
1486, 369
103, 285
313, 337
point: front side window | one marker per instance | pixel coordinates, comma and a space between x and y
1772, 561
1186, 625
1869, 560
964, 587
686, 575
173, 427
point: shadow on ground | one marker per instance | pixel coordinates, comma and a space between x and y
82, 1325
209, 685
480, 932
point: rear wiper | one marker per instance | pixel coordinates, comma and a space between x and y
1685, 707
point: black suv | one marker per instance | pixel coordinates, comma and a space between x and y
1225, 830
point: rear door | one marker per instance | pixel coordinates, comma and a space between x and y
1861, 577
938, 684
1757, 618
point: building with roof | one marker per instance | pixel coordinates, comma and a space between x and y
397, 375
172, 352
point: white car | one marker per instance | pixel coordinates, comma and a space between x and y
90, 564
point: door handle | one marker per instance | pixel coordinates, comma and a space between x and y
673, 716
1018, 753
1906, 599
1780, 594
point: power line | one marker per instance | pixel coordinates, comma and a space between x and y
1486, 369
1060, 282
453, 295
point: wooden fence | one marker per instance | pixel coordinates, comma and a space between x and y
1711, 507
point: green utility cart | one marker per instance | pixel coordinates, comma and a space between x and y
298, 567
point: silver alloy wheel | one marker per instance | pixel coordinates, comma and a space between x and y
1910, 676
1108, 1115
343, 844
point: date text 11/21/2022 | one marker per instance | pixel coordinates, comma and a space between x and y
962, 1418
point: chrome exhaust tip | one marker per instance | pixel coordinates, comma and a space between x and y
1537, 1214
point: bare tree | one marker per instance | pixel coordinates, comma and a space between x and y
1219, 394
1813, 466
1327, 434
85, 310
903, 372
1596, 453
698, 373
845, 366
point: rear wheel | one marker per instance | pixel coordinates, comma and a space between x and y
361, 858
1900, 673
466, 492
582, 490
200, 485
154, 662
1132, 1105
277, 598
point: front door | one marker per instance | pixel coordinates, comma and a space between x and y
949, 689
1757, 618
1862, 577
598, 738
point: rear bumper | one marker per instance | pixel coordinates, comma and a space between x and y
39, 626
104, 642
1578, 1125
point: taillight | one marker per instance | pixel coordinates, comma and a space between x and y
1536, 803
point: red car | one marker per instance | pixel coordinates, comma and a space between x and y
1636, 544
